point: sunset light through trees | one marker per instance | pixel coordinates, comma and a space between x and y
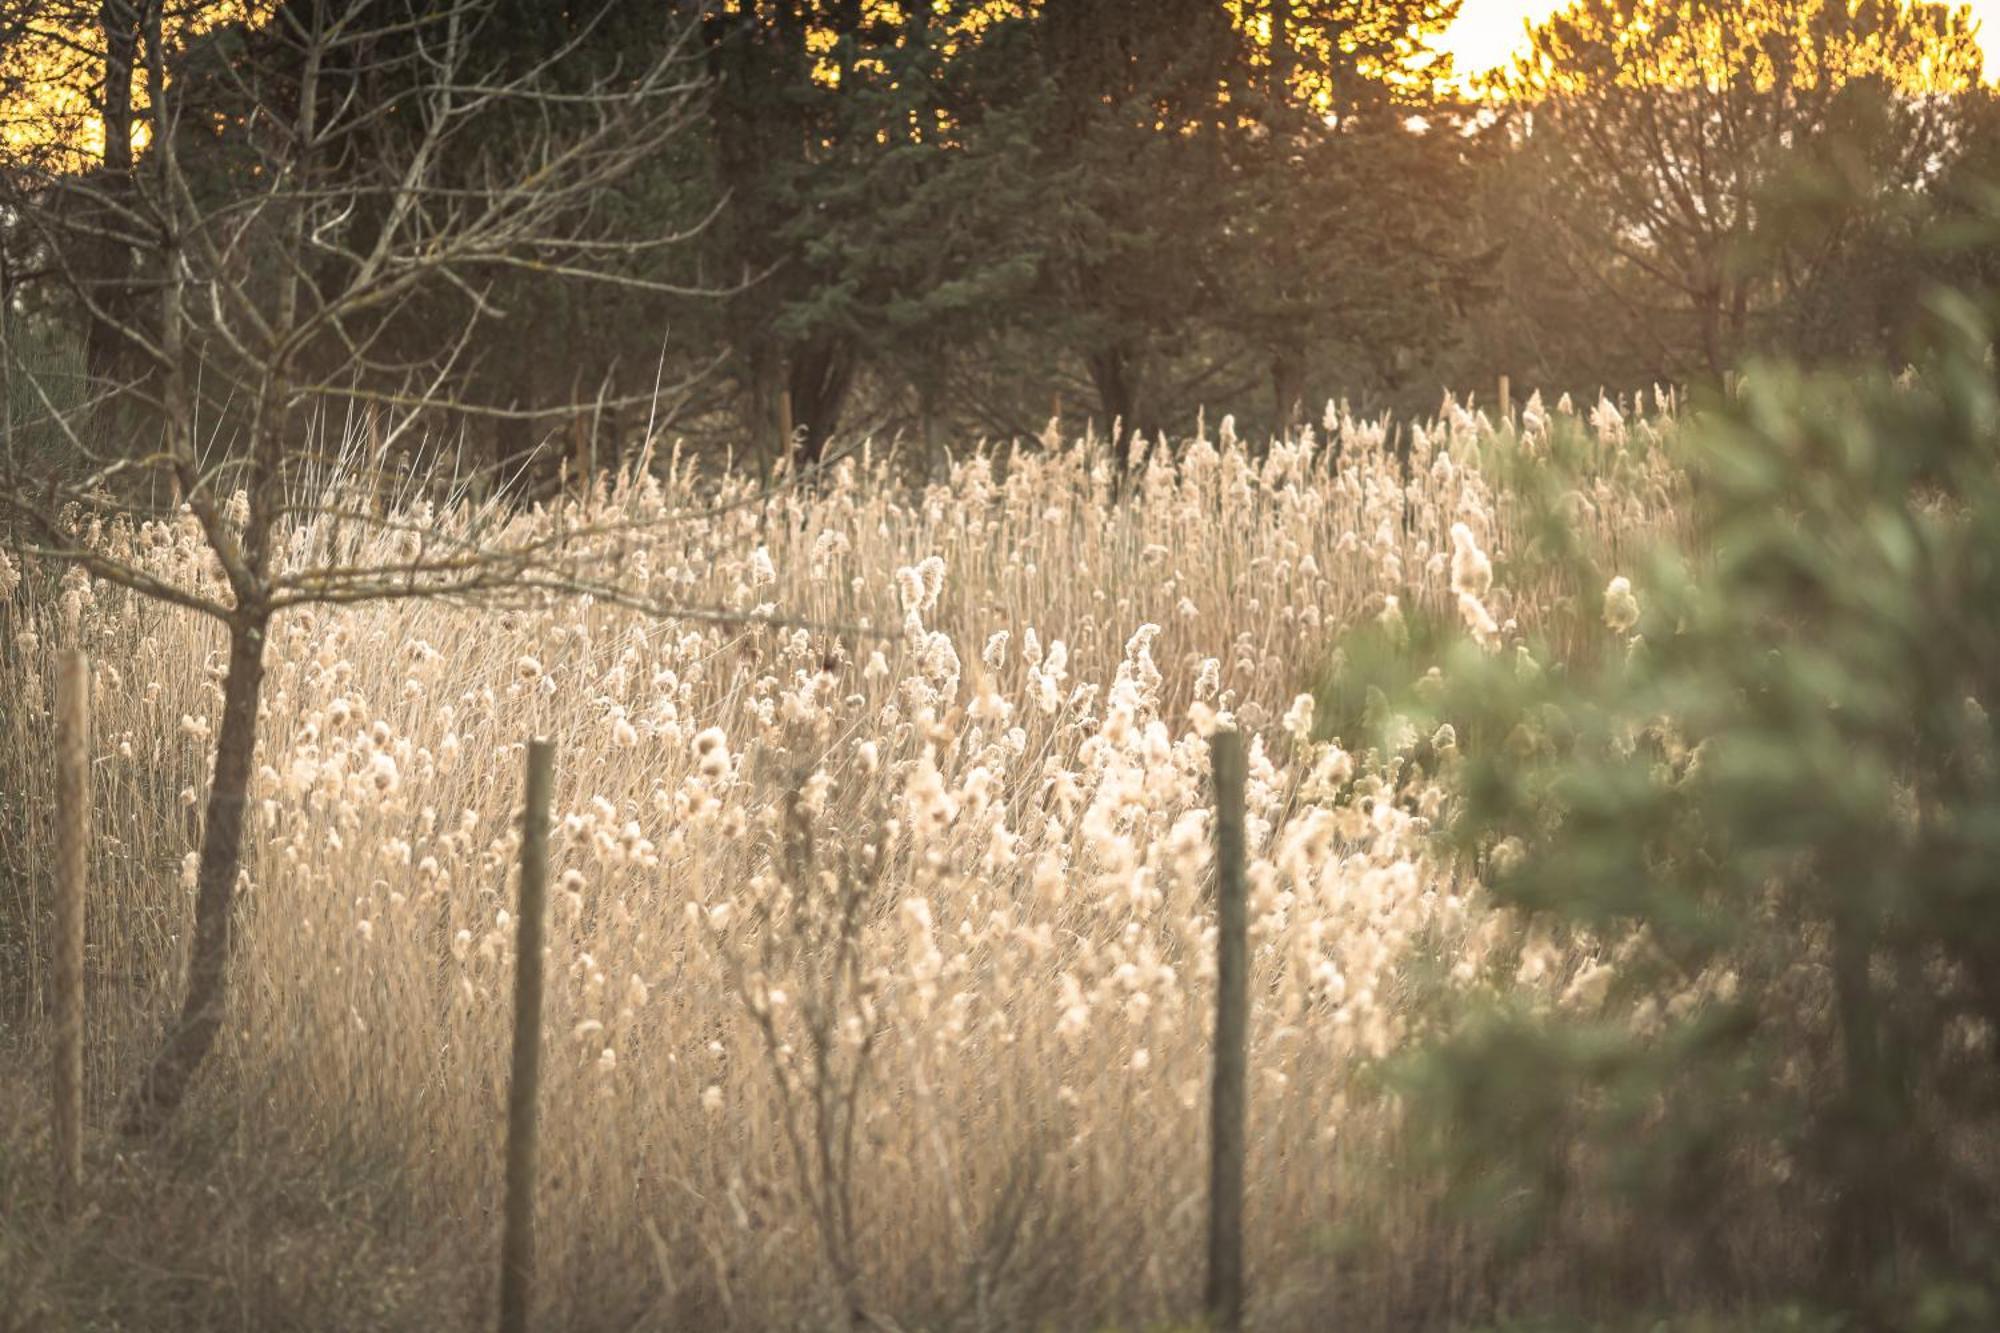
959, 666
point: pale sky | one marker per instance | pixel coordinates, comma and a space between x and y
1488, 32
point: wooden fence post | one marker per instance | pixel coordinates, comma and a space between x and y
1224, 1299
72, 865
517, 1242
1506, 401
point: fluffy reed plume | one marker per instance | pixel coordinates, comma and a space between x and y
879, 956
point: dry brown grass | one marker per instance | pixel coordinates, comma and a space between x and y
986, 915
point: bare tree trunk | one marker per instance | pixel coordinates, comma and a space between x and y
519, 386
121, 45
822, 373
1739, 320
1288, 379
763, 387
513, 441
104, 344
166, 1082
929, 424
1708, 316
1114, 375
1866, 1215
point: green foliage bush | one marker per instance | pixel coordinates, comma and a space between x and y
1776, 819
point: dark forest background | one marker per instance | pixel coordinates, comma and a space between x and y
950, 221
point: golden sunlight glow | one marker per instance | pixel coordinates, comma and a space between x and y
1489, 33
55, 116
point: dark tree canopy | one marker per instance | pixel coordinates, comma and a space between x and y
947, 220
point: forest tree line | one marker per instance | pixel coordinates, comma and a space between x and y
950, 221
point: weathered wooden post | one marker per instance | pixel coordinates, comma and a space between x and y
1506, 401
72, 864
1224, 1300
517, 1241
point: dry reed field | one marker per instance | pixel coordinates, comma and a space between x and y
880, 955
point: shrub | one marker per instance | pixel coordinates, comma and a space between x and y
1771, 830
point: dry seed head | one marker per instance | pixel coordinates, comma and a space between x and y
711, 750
1298, 719
1471, 571
1621, 608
